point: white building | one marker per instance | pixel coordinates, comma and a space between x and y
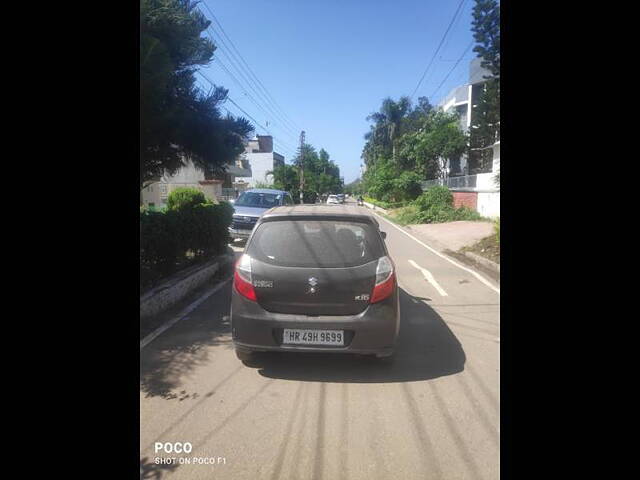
462, 99
261, 158
473, 187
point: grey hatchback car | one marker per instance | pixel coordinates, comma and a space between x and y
315, 278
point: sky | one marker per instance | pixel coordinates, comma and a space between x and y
327, 64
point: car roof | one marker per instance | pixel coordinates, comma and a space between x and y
264, 190
320, 210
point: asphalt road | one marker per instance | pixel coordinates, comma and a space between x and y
433, 414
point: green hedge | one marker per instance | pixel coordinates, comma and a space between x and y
179, 237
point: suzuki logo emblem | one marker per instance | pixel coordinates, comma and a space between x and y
313, 281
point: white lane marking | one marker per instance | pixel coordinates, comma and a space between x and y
429, 278
191, 307
475, 274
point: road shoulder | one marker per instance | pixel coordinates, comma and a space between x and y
461, 261
150, 324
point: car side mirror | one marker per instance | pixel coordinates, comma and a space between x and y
384, 235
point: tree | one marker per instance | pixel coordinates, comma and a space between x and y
379, 180
428, 150
416, 118
485, 128
177, 121
486, 32
407, 186
286, 177
388, 121
354, 188
321, 175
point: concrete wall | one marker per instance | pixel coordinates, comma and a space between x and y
488, 204
486, 181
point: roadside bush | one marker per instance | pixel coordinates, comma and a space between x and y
437, 198
407, 215
435, 206
159, 245
185, 197
180, 236
466, 213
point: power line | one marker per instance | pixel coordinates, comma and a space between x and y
245, 92
251, 71
447, 42
234, 63
455, 26
452, 69
277, 107
235, 79
240, 108
438, 49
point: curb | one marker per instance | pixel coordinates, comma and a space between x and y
374, 208
182, 315
164, 296
491, 265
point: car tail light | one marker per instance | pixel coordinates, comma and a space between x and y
385, 280
242, 278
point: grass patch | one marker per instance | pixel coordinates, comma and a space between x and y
413, 214
488, 247
434, 206
385, 205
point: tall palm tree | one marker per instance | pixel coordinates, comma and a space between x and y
389, 119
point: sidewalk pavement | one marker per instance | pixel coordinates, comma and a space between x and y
451, 235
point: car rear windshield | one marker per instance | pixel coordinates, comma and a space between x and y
261, 200
316, 243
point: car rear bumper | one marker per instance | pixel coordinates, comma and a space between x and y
373, 331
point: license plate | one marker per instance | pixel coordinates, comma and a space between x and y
295, 336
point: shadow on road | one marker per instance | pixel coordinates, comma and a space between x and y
149, 470
169, 357
426, 349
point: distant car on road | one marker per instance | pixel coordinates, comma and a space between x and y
333, 199
315, 278
340, 197
250, 205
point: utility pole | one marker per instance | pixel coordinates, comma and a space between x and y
301, 165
